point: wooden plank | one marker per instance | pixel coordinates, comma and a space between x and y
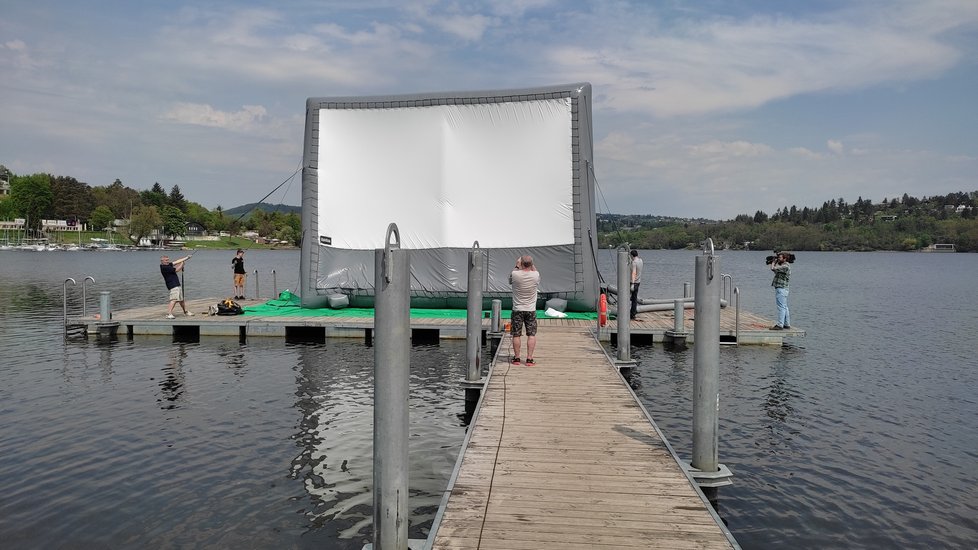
561, 455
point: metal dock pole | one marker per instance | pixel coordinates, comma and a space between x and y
473, 331
705, 466
106, 327
473, 318
392, 365
677, 336
256, 284
495, 326
624, 357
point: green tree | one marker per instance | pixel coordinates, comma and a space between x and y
288, 235
72, 198
176, 199
198, 213
154, 197
32, 197
174, 222
7, 210
119, 198
145, 220
100, 218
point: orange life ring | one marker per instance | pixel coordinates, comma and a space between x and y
603, 310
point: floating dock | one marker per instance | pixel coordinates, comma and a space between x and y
561, 454
653, 326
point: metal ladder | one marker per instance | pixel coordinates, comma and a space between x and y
75, 330
731, 294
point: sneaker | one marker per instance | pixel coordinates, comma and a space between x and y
786, 327
170, 316
188, 313
516, 360
777, 327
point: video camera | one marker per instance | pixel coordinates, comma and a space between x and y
788, 256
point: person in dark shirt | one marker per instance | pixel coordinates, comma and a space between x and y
172, 280
238, 268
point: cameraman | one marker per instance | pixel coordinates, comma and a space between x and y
782, 272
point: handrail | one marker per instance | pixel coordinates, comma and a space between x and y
64, 302
726, 283
736, 292
85, 295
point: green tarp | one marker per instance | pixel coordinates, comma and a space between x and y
287, 305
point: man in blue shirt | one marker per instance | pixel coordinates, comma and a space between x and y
172, 280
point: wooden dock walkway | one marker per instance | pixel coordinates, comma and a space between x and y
561, 455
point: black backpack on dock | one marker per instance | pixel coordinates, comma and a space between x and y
229, 307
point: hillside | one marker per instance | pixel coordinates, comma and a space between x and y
248, 208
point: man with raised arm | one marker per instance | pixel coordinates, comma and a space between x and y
172, 280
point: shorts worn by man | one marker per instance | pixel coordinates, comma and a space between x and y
172, 280
525, 280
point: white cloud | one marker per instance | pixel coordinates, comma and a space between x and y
835, 146
804, 152
723, 64
205, 115
720, 150
16, 45
468, 25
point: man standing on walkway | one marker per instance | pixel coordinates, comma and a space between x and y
782, 272
525, 279
239, 274
172, 280
635, 280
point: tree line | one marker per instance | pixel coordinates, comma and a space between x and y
44, 196
905, 223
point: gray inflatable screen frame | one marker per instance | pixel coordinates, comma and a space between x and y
439, 276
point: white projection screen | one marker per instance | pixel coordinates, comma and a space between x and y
508, 169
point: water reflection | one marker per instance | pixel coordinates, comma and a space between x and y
334, 435
172, 386
234, 357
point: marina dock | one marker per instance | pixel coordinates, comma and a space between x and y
653, 326
561, 454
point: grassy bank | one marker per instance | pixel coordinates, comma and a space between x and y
233, 243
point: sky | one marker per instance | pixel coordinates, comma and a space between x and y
701, 109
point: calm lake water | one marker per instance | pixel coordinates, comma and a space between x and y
863, 434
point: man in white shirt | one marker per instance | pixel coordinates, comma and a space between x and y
636, 280
525, 280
